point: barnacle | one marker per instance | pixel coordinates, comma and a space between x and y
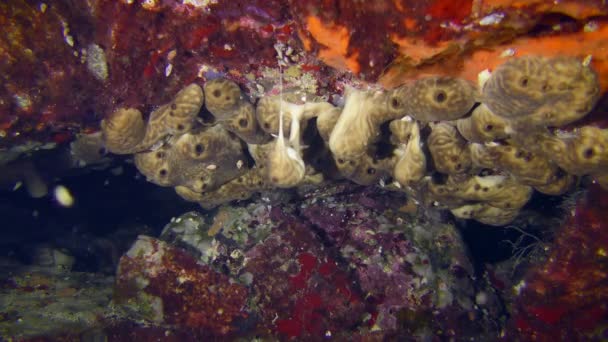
449, 149
483, 126
439, 98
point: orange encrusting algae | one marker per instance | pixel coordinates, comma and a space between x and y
579, 44
417, 49
572, 8
336, 40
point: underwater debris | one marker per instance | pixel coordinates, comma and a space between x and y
96, 62
63, 196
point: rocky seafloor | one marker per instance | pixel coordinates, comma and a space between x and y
303, 170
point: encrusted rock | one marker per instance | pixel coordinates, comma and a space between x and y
165, 286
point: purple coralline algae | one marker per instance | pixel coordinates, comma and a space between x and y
331, 266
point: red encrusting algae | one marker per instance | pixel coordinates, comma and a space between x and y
566, 296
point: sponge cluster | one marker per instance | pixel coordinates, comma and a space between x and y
479, 151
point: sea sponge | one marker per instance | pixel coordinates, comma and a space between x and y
411, 160
359, 123
299, 104
484, 166
449, 150
401, 130
260, 153
486, 214
580, 152
560, 183
208, 145
366, 170
538, 91
496, 190
285, 163
174, 118
240, 188
437, 98
123, 131
483, 126
231, 109
201, 160
243, 123
576, 88
88, 149
525, 166
394, 106
223, 98
207, 157
155, 166
326, 121
518, 87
